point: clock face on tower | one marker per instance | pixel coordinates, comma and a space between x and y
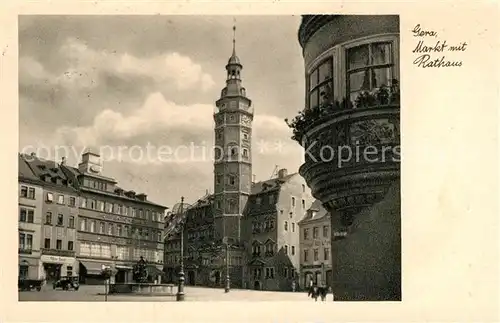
245, 120
95, 169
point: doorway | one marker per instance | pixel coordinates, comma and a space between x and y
256, 285
52, 272
191, 278
121, 276
217, 278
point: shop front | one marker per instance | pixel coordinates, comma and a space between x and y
90, 272
55, 267
124, 273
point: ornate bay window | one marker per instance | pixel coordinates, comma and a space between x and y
369, 66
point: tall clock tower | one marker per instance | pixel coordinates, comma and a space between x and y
232, 152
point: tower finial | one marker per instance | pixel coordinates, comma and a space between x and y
234, 36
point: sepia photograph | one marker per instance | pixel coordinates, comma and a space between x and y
170, 158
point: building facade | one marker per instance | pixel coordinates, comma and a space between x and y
29, 223
245, 231
352, 103
59, 217
115, 227
271, 229
315, 247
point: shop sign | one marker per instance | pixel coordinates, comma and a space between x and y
57, 259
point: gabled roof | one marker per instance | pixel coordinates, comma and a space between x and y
315, 212
270, 184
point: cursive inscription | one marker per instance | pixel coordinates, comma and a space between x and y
431, 51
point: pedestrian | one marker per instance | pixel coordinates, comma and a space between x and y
293, 286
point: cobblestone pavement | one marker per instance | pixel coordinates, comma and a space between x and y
95, 294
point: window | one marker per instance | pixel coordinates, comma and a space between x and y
24, 191
141, 214
71, 222
293, 201
46, 244
232, 180
60, 219
49, 197
119, 230
110, 229
48, 218
245, 152
286, 250
303, 188
84, 248
92, 226
315, 233
286, 226
70, 246
306, 255
109, 207
125, 210
72, 201
306, 234
258, 200
245, 136
83, 225
60, 199
23, 215
21, 240
293, 226
58, 244
285, 272
368, 67
218, 179
101, 227
92, 204
125, 231
83, 202
270, 273
326, 252
321, 84
271, 199
293, 250
303, 203
316, 255
325, 231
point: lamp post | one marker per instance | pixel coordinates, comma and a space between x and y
180, 289
227, 285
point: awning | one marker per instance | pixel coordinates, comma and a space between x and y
124, 267
93, 268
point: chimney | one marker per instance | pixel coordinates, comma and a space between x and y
63, 161
282, 173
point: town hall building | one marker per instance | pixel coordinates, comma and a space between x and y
222, 244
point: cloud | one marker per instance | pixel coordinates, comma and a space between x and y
161, 122
172, 68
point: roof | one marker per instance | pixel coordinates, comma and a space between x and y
24, 171
37, 168
270, 184
314, 213
234, 60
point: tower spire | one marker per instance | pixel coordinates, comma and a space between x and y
234, 36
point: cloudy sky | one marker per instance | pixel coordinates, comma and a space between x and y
142, 82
